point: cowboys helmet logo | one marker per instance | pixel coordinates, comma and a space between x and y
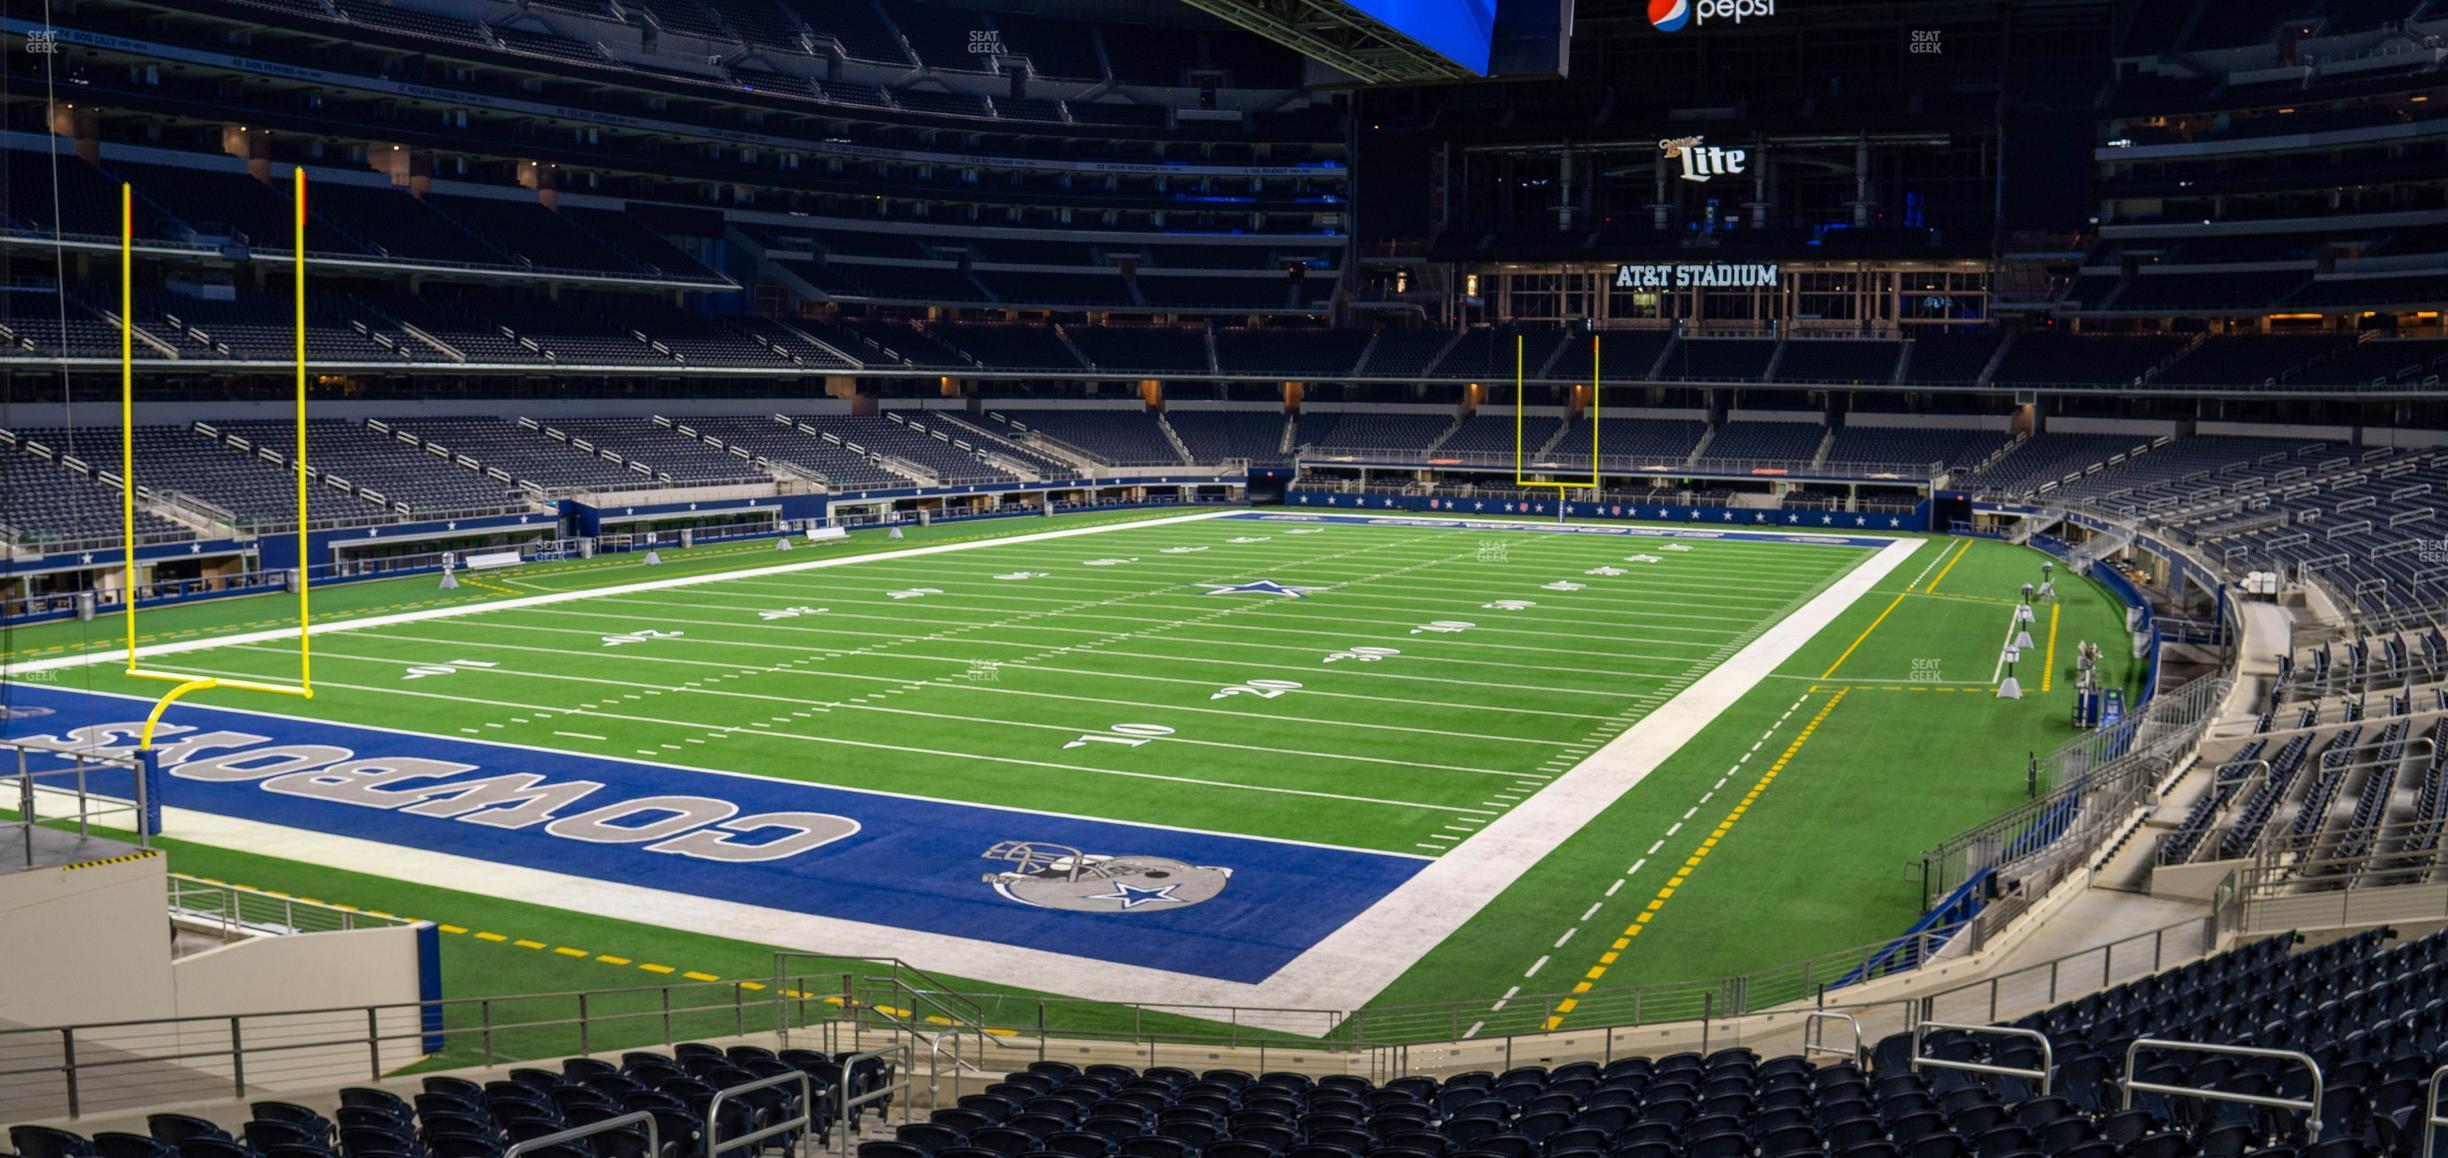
1053, 876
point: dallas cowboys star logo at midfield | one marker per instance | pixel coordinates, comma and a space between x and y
1132, 896
1260, 587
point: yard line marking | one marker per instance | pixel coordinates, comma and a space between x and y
1925, 569
1369, 673
1857, 640
659, 612
1610, 891
1592, 911
861, 703
1578, 670
489, 606
841, 741
579, 735
1966, 549
1568, 935
1535, 966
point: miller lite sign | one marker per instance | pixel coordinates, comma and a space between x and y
1702, 161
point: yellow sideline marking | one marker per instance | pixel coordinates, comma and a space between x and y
1667, 891
2048, 670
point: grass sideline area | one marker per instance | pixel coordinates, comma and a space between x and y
1894, 695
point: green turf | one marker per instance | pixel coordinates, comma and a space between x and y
1826, 859
876, 692
339, 602
932, 675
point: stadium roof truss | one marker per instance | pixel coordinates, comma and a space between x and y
1339, 35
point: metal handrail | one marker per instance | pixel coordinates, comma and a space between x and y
234, 908
2432, 1118
2310, 1107
654, 1138
806, 1121
1811, 1041
2246, 785
848, 1108
80, 765
2048, 1053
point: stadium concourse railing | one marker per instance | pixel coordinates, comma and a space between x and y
1320, 484
1636, 466
2099, 782
217, 908
49, 1072
61, 800
76, 1070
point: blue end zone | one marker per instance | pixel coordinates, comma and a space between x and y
780, 844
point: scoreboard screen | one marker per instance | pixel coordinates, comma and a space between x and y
1462, 31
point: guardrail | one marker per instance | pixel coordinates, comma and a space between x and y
2048, 1054
1814, 1039
73, 1070
51, 1071
2099, 778
654, 1138
2432, 1118
85, 806
849, 1104
788, 1129
236, 909
2310, 1107
1629, 466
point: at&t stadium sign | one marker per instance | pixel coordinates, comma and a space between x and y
1721, 275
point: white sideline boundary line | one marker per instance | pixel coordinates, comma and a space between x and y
1341, 972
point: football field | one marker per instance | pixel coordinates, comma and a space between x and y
1310, 761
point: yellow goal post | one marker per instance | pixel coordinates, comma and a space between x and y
1520, 353
185, 683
